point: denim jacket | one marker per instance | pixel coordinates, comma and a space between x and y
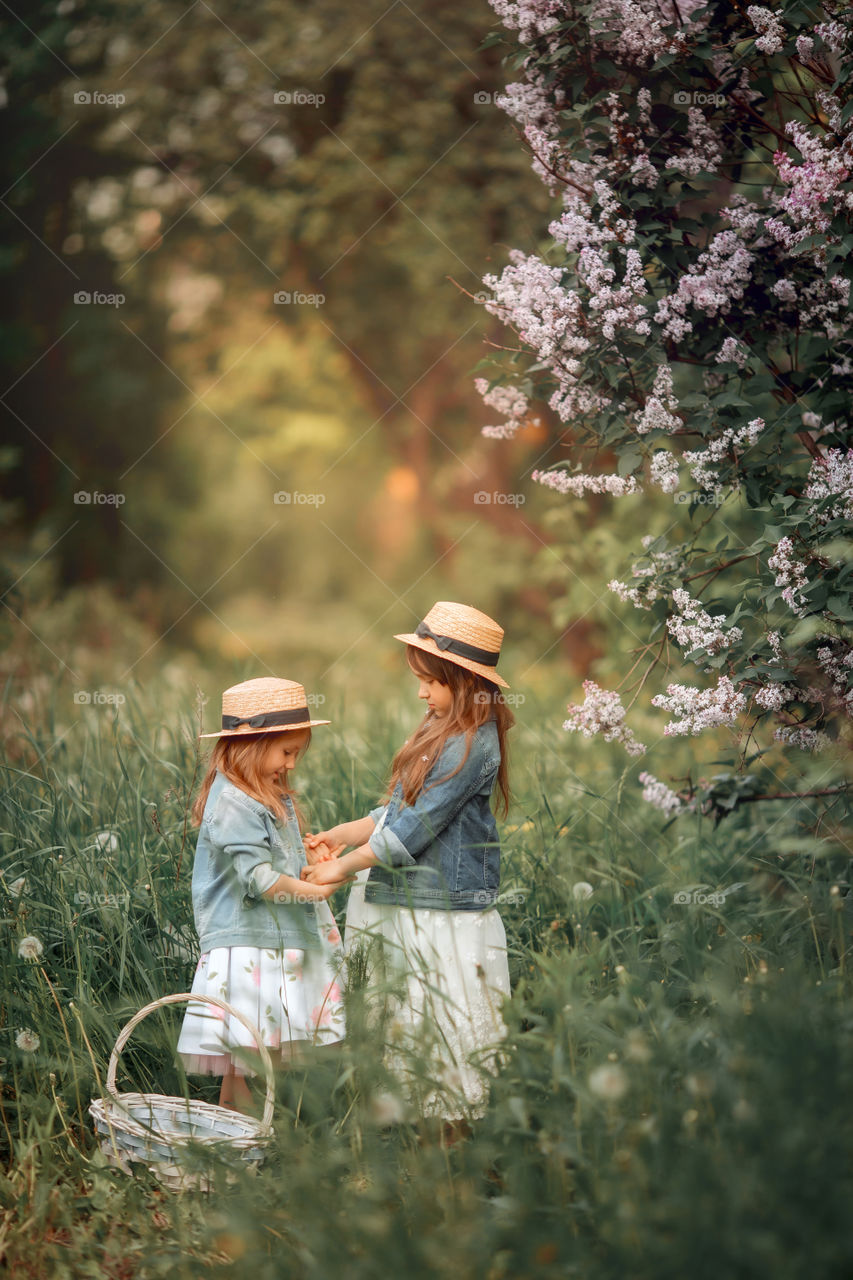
443, 850
237, 835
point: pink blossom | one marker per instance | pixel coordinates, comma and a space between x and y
768, 24
696, 629
700, 709
661, 796
790, 575
510, 402
602, 712
718, 277
660, 410
832, 476
578, 484
321, 1015
663, 471
802, 737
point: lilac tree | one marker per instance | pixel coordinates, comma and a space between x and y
689, 316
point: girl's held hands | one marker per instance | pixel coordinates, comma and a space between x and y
324, 873
330, 838
320, 849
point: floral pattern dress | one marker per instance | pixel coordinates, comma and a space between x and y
293, 996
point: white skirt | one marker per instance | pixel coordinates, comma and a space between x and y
437, 978
293, 996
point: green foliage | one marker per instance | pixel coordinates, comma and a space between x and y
714, 1141
686, 324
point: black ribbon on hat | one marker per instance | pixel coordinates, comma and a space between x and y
462, 650
268, 719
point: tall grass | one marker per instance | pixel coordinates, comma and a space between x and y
674, 1098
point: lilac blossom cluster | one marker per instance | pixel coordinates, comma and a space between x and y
755, 279
658, 566
771, 33
510, 402
660, 412
803, 737
663, 471
602, 712
772, 697
661, 796
579, 484
698, 709
791, 576
717, 278
729, 445
835, 658
696, 629
831, 475
813, 194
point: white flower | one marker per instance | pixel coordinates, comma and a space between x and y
696, 629
386, 1108
578, 484
771, 35
30, 948
602, 712
663, 471
107, 841
660, 795
582, 889
805, 739
27, 1040
609, 1082
700, 709
660, 410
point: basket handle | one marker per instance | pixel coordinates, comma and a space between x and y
185, 997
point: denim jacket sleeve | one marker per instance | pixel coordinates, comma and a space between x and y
243, 837
415, 826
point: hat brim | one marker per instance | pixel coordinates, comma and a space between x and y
429, 646
256, 733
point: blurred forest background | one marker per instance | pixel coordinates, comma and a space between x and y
183, 167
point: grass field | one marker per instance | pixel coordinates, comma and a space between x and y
675, 1099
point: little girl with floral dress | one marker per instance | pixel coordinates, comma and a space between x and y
269, 943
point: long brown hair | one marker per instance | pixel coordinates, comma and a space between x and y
239, 758
475, 700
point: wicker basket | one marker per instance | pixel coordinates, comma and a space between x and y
179, 1140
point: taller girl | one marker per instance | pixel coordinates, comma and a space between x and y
428, 861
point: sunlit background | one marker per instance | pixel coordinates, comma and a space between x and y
245, 248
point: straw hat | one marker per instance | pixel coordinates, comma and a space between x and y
266, 705
461, 635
